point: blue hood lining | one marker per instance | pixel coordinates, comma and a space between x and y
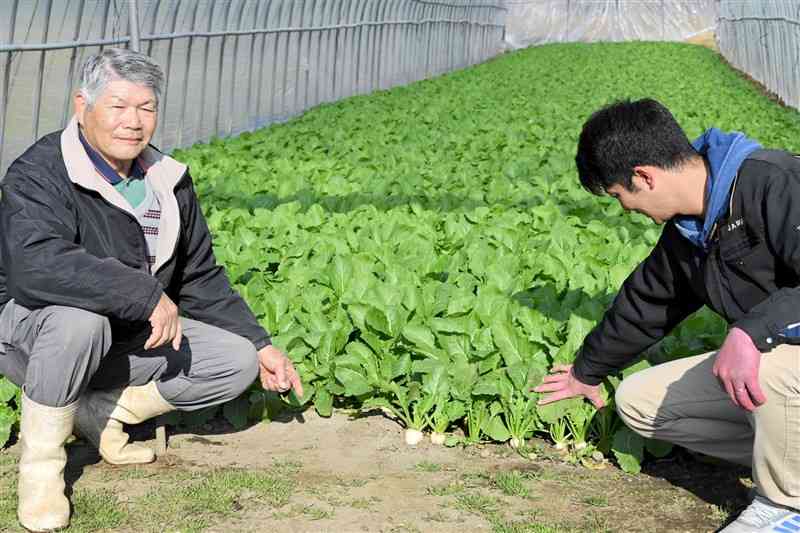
725, 153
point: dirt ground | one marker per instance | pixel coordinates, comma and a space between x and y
707, 39
345, 474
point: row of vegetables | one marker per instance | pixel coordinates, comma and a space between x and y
428, 251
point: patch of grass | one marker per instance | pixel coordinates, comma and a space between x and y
312, 512
8, 491
529, 451
97, 510
207, 496
364, 503
222, 489
435, 517
501, 526
511, 484
504, 451
477, 503
7, 461
334, 501
489, 508
531, 523
427, 466
130, 472
318, 489
544, 474
720, 513
454, 487
355, 482
596, 501
92, 510
286, 467
596, 523
476, 479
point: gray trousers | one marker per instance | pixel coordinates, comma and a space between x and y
59, 352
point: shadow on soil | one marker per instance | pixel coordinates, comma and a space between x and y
724, 485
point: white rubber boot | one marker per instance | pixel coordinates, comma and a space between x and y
44, 430
102, 412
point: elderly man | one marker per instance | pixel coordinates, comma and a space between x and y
103, 245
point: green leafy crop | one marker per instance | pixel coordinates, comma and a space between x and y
429, 251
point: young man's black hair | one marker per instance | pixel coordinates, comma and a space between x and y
625, 135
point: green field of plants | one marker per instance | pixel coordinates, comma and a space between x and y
429, 251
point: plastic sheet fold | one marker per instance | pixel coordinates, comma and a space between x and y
531, 22
763, 39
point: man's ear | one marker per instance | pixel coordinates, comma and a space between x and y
80, 103
644, 177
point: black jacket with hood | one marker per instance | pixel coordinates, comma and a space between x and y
750, 273
67, 237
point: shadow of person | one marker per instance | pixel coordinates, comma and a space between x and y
681, 401
79, 456
212, 421
715, 481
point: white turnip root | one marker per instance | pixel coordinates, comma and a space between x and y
437, 438
413, 437
516, 443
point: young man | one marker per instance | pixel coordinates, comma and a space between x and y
102, 243
731, 241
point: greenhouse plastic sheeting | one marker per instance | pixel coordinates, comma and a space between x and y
763, 39
232, 65
531, 22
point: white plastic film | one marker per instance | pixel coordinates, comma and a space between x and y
763, 39
531, 22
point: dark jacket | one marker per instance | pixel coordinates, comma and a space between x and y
67, 237
750, 274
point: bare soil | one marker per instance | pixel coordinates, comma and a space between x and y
355, 474
707, 39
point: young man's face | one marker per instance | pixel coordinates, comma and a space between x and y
644, 199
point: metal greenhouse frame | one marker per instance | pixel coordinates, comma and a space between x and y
255, 62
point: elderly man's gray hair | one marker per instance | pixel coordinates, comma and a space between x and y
119, 64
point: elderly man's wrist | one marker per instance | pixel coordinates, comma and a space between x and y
262, 343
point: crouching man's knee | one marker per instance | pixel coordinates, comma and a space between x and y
244, 366
66, 349
635, 405
77, 328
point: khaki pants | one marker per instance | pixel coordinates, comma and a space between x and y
684, 403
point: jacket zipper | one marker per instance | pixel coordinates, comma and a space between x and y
718, 250
136, 221
175, 245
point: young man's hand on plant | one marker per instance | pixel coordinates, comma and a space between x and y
563, 384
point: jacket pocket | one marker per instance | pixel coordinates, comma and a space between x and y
742, 274
734, 249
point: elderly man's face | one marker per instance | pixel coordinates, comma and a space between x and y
120, 123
